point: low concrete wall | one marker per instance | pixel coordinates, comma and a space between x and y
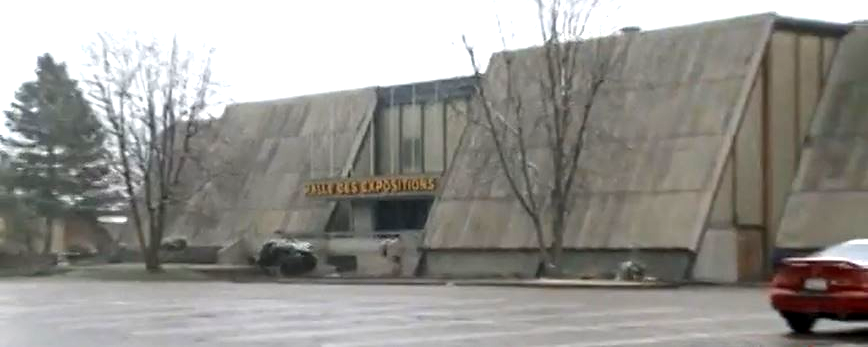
662, 264
190, 255
475, 264
236, 253
667, 265
366, 250
25, 264
370, 260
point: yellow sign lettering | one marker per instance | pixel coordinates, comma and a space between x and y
371, 186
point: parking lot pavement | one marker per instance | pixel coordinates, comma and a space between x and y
49, 312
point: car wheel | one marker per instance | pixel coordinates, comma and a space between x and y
799, 322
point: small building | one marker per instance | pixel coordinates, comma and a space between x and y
74, 232
702, 177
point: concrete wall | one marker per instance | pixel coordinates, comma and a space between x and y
751, 256
478, 264
766, 153
749, 159
370, 258
368, 252
796, 75
363, 216
777, 99
364, 164
829, 191
662, 264
25, 264
651, 165
71, 231
722, 211
190, 255
86, 233
783, 117
669, 265
262, 153
717, 255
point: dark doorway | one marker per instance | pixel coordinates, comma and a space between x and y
402, 214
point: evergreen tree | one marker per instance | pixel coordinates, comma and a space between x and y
59, 160
16, 216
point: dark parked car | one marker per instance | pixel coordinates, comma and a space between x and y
288, 256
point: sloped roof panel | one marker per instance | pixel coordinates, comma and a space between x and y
830, 192
658, 129
263, 153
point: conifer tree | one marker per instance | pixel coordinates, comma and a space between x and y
58, 157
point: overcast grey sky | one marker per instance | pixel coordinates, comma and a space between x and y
277, 49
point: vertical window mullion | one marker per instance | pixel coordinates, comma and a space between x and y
422, 137
399, 164
373, 155
445, 145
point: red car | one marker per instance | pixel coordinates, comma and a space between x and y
829, 284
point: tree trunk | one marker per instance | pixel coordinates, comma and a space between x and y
28, 238
544, 253
152, 249
49, 218
556, 251
152, 253
152, 262
152, 259
49, 235
556, 247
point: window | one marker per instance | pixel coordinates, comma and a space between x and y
434, 133
386, 136
410, 138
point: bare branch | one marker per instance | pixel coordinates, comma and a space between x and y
144, 94
568, 71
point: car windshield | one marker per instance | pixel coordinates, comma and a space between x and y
853, 251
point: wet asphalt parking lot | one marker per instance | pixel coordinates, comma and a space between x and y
50, 312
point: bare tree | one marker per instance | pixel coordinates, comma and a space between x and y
536, 114
155, 101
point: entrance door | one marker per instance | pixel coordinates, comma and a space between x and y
394, 215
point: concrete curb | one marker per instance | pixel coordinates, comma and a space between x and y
249, 274
568, 284
726, 284
590, 284
32, 272
243, 275
365, 281
565, 284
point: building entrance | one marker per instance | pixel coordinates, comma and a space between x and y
404, 214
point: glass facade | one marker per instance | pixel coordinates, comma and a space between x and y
422, 130
435, 132
411, 139
386, 136
415, 129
